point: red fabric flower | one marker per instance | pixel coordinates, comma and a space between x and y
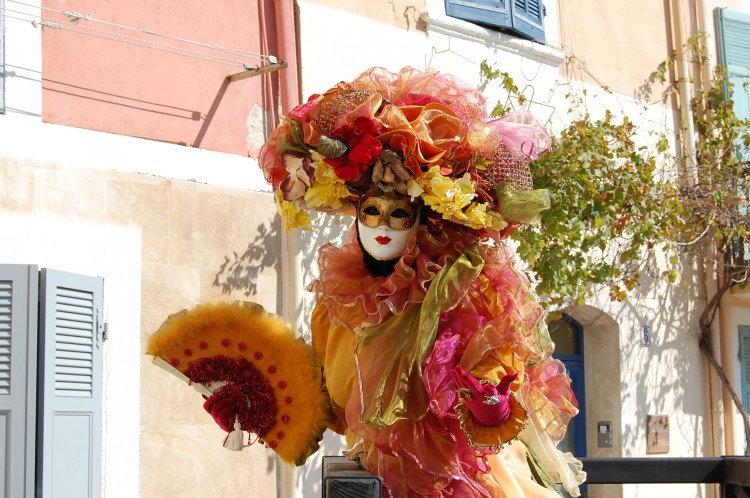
366, 151
352, 134
364, 148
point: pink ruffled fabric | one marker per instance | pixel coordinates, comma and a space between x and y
412, 87
429, 454
498, 314
549, 398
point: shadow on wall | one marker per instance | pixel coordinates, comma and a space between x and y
332, 229
240, 272
326, 228
666, 376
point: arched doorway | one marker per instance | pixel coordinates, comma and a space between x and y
567, 335
587, 341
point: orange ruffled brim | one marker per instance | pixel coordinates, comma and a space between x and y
493, 437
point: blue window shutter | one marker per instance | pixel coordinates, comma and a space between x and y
519, 17
733, 33
492, 13
18, 350
70, 374
528, 18
745, 363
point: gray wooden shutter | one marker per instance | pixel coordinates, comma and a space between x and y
745, 363
70, 373
2, 57
18, 350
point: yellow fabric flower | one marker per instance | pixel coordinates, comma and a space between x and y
293, 215
328, 189
478, 217
414, 187
447, 196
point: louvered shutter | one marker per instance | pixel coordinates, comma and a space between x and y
70, 385
520, 17
745, 362
493, 13
2, 58
18, 351
528, 18
733, 33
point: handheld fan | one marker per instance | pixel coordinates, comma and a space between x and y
255, 374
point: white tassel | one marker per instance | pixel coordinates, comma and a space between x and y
235, 440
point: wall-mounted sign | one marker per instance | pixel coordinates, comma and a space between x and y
657, 434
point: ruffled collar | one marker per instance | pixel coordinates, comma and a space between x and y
356, 299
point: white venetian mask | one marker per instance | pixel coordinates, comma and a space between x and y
385, 225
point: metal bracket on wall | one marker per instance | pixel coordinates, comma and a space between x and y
256, 70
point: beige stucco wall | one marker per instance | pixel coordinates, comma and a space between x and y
399, 13
614, 44
180, 243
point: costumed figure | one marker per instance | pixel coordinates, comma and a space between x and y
436, 363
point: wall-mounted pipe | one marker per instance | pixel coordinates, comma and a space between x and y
289, 90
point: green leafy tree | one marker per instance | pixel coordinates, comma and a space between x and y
610, 210
607, 206
714, 195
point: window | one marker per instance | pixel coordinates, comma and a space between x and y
745, 362
50, 380
523, 18
733, 34
2, 56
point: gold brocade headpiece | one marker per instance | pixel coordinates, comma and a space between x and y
422, 134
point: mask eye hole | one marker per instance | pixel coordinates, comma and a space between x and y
400, 213
371, 211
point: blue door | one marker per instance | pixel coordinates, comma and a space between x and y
568, 337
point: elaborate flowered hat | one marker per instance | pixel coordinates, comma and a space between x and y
419, 133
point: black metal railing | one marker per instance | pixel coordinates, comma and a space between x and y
732, 473
345, 479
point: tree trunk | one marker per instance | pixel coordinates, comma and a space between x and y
706, 319
708, 353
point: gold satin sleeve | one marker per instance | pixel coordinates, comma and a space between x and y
335, 349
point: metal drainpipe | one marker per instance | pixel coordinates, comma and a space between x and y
683, 84
728, 359
690, 173
727, 363
287, 479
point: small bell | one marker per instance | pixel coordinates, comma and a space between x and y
235, 440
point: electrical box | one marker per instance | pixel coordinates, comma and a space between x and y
343, 478
604, 434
